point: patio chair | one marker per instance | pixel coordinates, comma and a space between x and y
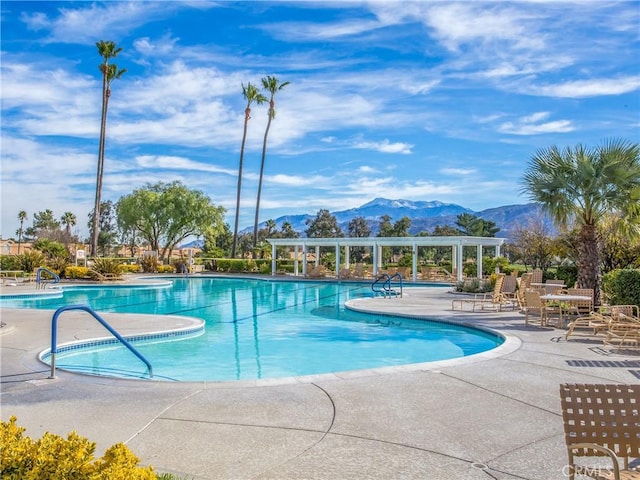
624, 328
581, 307
601, 421
535, 307
317, 272
344, 274
593, 322
536, 276
496, 300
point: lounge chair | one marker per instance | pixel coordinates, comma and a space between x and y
496, 300
624, 328
344, 273
601, 421
317, 272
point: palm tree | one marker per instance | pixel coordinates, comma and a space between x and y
110, 72
22, 216
583, 184
68, 220
251, 94
270, 84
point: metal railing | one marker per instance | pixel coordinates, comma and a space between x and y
90, 311
383, 285
40, 282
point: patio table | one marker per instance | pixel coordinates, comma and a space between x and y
550, 298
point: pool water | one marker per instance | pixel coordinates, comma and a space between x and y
261, 329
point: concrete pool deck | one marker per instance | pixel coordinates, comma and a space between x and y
495, 416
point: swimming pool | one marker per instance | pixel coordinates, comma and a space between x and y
259, 329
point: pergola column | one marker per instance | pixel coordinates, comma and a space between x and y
479, 261
295, 259
414, 267
458, 248
273, 259
305, 251
337, 260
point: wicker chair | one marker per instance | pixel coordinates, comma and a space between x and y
602, 421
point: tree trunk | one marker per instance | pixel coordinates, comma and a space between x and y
589, 261
264, 153
103, 128
247, 115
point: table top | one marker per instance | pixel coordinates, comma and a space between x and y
564, 297
536, 284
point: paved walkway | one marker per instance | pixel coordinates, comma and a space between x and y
493, 416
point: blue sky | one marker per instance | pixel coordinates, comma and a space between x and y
414, 100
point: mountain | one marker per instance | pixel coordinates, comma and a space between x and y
425, 216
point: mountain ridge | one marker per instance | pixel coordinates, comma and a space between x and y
424, 215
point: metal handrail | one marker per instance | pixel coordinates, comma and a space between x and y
90, 311
386, 289
56, 277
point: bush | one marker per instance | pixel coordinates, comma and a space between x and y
31, 260
76, 272
10, 262
72, 458
149, 264
130, 268
165, 269
105, 265
622, 287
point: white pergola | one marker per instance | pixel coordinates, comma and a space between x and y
376, 244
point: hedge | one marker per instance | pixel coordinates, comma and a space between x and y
622, 287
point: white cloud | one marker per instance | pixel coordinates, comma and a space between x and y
589, 88
385, 146
534, 125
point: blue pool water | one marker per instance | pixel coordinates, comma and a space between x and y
261, 329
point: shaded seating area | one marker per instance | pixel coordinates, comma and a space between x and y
601, 424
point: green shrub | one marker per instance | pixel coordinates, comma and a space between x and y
622, 287
76, 272
31, 260
72, 458
237, 265
149, 264
130, 268
10, 262
105, 265
567, 273
224, 264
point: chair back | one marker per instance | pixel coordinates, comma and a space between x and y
532, 299
621, 311
497, 288
583, 306
509, 284
536, 276
607, 415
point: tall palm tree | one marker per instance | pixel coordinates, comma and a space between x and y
110, 72
583, 184
22, 216
251, 94
270, 84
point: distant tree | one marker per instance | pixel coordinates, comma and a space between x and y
22, 216
165, 214
583, 184
108, 229
250, 94
272, 85
401, 227
617, 250
324, 225
107, 50
473, 226
44, 225
446, 231
69, 220
217, 242
532, 243
385, 228
358, 227
287, 231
